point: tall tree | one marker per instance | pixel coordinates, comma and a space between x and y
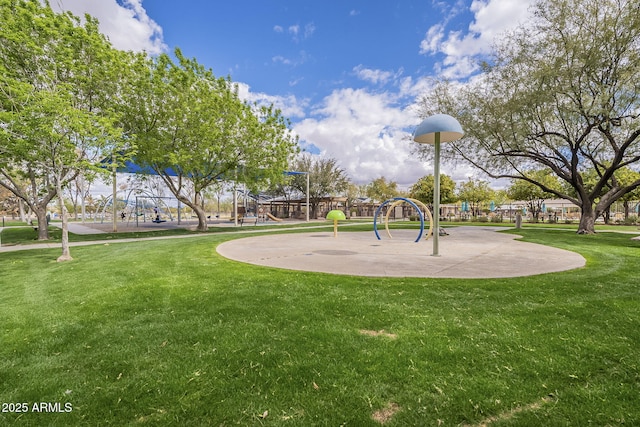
626, 176
56, 79
475, 192
532, 194
192, 129
380, 189
561, 94
423, 189
326, 179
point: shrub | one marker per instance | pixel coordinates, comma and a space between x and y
631, 220
496, 218
483, 219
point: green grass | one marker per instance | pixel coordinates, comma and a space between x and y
170, 333
24, 235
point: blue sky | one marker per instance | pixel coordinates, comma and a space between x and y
347, 73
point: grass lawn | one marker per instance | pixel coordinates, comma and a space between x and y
168, 332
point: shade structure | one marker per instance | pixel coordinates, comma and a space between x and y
435, 130
447, 126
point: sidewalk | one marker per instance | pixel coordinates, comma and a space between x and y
78, 228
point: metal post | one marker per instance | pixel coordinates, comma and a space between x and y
436, 195
235, 206
115, 208
307, 196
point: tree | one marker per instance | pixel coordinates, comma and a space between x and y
56, 80
380, 190
476, 193
353, 192
532, 194
626, 176
326, 179
192, 129
8, 203
561, 94
423, 189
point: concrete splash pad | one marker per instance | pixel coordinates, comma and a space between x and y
467, 252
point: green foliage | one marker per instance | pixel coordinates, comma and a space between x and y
423, 189
560, 94
534, 188
326, 179
186, 119
57, 78
477, 193
380, 189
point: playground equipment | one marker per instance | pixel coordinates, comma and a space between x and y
397, 201
273, 218
336, 215
136, 205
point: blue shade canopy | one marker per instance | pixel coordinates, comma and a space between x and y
449, 128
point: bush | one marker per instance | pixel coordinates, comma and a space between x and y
496, 218
482, 219
631, 220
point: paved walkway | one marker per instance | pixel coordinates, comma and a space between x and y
79, 228
467, 252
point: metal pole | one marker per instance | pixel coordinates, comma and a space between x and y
307, 196
436, 195
235, 206
115, 208
82, 205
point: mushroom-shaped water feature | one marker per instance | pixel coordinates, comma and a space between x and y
336, 215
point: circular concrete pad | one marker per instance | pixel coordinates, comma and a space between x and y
467, 252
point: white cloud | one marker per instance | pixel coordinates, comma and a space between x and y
127, 26
302, 58
373, 76
309, 29
367, 133
294, 30
297, 32
290, 106
432, 39
492, 18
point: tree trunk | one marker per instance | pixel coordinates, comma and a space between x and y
202, 218
43, 227
23, 217
199, 210
587, 219
625, 205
